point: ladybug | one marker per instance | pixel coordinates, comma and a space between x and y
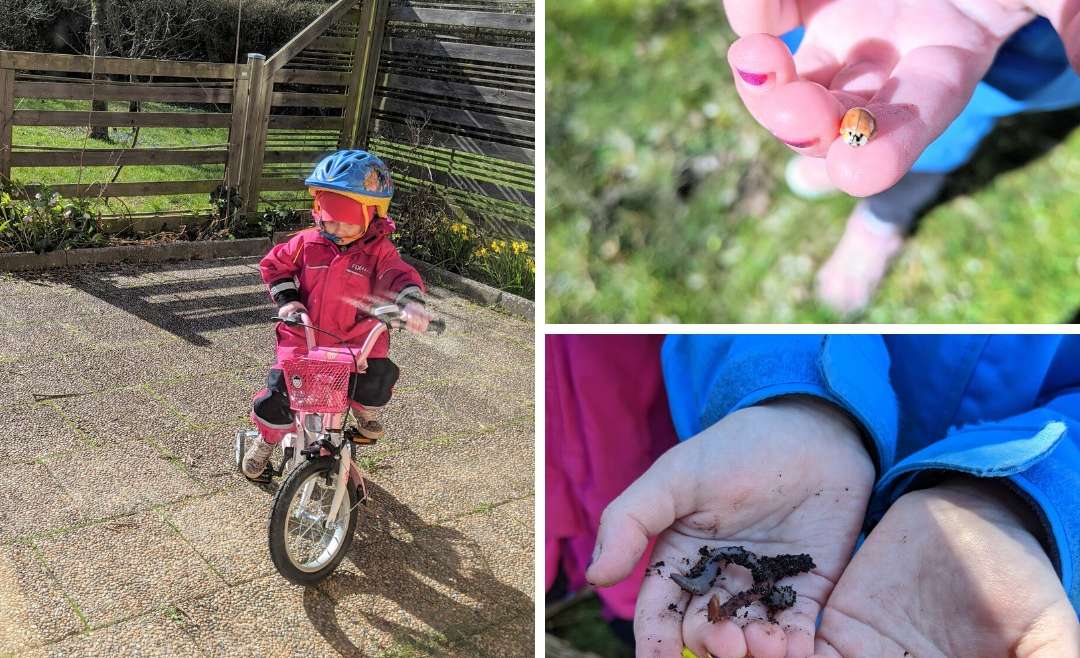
857, 126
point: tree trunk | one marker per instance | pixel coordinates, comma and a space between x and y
97, 132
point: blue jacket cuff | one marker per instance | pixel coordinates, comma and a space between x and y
1033, 452
708, 379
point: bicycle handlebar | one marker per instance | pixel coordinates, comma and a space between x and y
436, 326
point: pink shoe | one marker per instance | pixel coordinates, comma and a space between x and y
808, 178
851, 276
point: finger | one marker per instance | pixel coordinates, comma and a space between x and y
816, 64
765, 640
722, 639
800, 113
768, 16
644, 510
926, 91
658, 616
798, 623
825, 650
760, 62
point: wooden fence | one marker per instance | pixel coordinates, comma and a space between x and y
454, 105
443, 93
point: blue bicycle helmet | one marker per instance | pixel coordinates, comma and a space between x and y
356, 174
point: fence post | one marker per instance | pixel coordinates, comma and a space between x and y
239, 110
357, 123
260, 91
7, 108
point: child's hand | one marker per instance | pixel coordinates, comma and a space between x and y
291, 308
951, 571
914, 65
416, 317
790, 476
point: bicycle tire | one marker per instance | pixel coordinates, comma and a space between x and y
279, 510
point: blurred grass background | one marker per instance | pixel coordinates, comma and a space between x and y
639, 92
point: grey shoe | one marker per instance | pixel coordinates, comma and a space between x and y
258, 453
370, 429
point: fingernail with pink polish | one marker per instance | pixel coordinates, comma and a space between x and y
755, 79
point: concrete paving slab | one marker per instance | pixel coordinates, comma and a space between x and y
206, 453
35, 430
487, 543
229, 530
212, 399
513, 638
31, 501
120, 479
269, 617
156, 635
29, 339
121, 415
403, 594
29, 380
436, 479
126, 366
126, 567
419, 580
32, 606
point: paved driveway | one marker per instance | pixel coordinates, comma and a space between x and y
125, 529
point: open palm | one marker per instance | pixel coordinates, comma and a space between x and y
913, 64
788, 477
949, 572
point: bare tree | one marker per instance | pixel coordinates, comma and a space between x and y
161, 29
97, 132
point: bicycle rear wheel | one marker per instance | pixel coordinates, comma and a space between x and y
303, 546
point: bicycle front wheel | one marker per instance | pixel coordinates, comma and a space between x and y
305, 544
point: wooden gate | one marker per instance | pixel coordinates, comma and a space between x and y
445, 95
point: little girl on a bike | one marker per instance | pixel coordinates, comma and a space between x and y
341, 272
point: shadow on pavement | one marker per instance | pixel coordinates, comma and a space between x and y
399, 571
187, 308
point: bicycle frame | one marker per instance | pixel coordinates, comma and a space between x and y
310, 428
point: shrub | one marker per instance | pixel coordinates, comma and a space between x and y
61, 26
46, 222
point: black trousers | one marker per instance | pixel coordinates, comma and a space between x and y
373, 388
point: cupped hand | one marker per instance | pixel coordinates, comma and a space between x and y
913, 64
789, 476
950, 572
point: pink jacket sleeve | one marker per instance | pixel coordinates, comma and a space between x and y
395, 279
279, 268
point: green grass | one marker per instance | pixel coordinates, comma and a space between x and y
582, 626
637, 89
75, 137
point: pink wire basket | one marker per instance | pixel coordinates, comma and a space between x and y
317, 386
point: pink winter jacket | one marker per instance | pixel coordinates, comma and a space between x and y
330, 282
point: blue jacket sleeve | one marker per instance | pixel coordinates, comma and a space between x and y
1036, 454
708, 377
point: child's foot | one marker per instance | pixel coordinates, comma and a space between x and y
851, 276
370, 429
258, 453
808, 178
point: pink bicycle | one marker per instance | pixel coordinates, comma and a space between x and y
314, 512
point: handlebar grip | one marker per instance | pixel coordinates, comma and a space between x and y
436, 327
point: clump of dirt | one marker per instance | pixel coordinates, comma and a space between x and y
765, 570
